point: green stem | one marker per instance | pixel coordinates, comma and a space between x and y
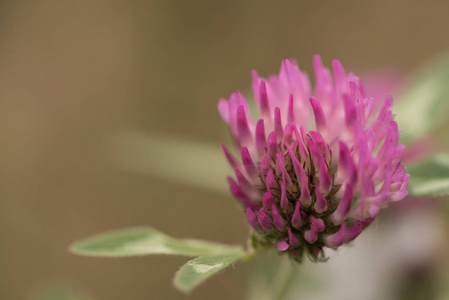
283, 279
251, 253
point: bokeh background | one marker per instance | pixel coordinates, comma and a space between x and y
78, 79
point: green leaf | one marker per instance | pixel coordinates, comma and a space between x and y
424, 104
145, 241
430, 177
199, 269
60, 292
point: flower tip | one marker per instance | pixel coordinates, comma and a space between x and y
242, 125
340, 76
267, 200
248, 163
342, 211
252, 218
263, 99
373, 209
292, 239
261, 141
272, 145
320, 120
317, 224
231, 158
296, 218
337, 239
264, 220
254, 74
318, 67
311, 236
223, 109
336, 64
278, 220
263, 91
354, 231
290, 110
283, 245
321, 202
278, 124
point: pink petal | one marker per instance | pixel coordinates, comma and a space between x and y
284, 199
243, 126
343, 207
293, 240
353, 231
346, 165
264, 103
248, 163
231, 158
265, 166
296, 218
278, 220
223, 109
290, 111
244, 184
320, 120
271, 181
264, 220
310, 236
261, 142
252, 219
321, 202
337, 239
278, 124
283, 245
272, 145
288, 134
267, 200
317, 224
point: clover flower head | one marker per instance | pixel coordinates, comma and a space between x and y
318, 165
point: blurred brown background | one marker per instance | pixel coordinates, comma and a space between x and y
73, 74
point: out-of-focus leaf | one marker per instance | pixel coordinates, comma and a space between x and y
199, 269
430, 177
194, 163
145, 241
425, 102
60, 292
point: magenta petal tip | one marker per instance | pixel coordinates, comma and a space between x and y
283, 245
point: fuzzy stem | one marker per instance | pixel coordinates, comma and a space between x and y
283, 279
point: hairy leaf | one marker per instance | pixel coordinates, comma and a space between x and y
425, 103
430, 177
145, 241
199, 269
